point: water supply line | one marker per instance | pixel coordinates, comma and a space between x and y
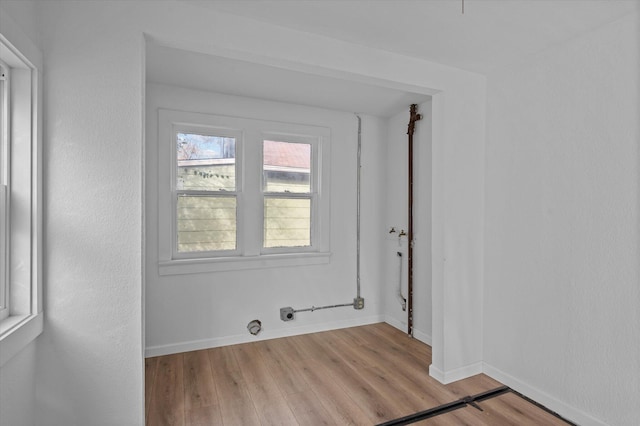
288, 313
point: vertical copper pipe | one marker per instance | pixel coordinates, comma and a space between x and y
413, 117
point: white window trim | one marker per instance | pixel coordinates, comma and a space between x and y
250, 255
25, 320
5, 215
313, 195
212, 131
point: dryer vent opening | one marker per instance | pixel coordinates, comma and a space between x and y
254, 327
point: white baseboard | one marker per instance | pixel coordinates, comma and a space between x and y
422, 336
395, 323
436, 373
450, 376
417, 334
194, 345
553, 404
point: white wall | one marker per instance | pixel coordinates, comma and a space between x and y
18, 389
185, 312
396, 165
25, 14
562, 300
90, 365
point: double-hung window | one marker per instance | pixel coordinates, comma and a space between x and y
241, 193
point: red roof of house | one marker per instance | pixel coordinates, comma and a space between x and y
290, 155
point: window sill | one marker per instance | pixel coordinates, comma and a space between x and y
16, 333
196, 266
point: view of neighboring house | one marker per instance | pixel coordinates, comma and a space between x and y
207, 185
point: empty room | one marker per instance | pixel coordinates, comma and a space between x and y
363, 212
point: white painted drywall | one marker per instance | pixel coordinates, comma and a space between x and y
457, 230
25, 14
562, 294
397, 217
18, 389
89, 358
189, 311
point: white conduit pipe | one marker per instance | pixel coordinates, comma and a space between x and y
317, 308
358, 300
286, 314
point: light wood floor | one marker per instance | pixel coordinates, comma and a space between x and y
355, 376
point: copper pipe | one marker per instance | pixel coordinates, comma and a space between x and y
413, 117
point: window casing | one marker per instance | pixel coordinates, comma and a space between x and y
21, 318
275, 181
5, 154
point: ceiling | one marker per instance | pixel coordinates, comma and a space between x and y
223, 75
490, 34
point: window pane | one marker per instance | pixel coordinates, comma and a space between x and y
206, 223
287, 222
205, 163
3, 252
4, 119
286, 167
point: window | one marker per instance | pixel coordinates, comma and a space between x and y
241, 193
20, 196
288, 196
205, 192
4, 181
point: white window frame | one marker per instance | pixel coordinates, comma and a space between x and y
5, 168
22, 183
175, 192
249, 134
315, 174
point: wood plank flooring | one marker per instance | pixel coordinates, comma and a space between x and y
354, 376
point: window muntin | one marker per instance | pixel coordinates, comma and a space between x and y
205, 214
